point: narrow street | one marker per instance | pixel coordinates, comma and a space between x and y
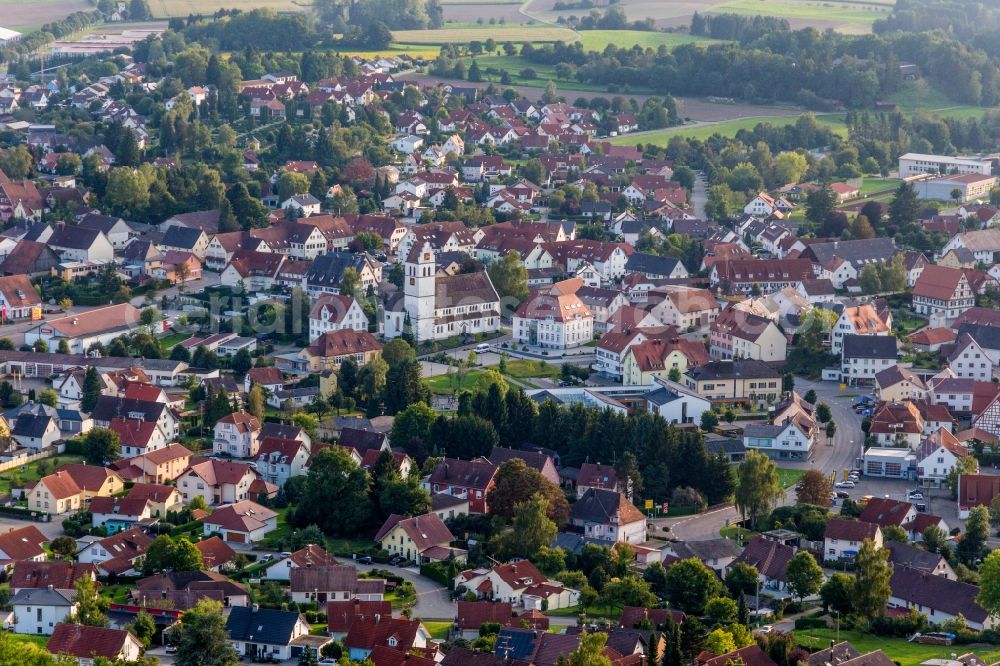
846, 448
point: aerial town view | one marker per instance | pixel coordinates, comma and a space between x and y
500, 332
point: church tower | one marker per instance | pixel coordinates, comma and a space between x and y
418, 290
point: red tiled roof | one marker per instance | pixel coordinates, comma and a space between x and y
342, 614
23, 543
214, 552
83, 641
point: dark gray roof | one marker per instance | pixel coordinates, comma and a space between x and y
987, 337
762, 430
183, 237
43, 597
857, 252
31, 425
743, 368
99, 222
573, 542
724, 445
708, 549
837, 653
651, 265
870, 346
901, 554
328, 269
110, 406
140, 250
598, 506
515, 643
76, 238
941, 594
264, 625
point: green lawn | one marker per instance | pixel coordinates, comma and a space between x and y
437, 630
449, 383
789, 477
18, 477
873, 184
597, 40
727, 128
851, 14
594, 611
897, 649
40, 641
170, 341
523, 369
513, 65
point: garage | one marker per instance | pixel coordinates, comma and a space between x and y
236, 537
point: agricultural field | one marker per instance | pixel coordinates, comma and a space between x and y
534, 33
171, 8
849, 17
598, 40
27, 17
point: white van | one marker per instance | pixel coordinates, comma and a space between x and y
482, 348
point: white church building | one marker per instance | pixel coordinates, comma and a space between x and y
437, 306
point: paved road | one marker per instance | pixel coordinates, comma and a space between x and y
699, 197
846, 447
208, 279
433, 599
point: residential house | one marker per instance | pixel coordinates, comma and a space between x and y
331, 348
117, 514
260, 634
771, 559
341, 615
402, 634
38, 611
864, 356
940, 599
333, 312
280, 459
843, 538
858, 320
236, 435
23, 545
217, 481
896, 384
118, 554
905, 555
609, 516
468, 479
422, 539
739, 334
969, 360
943, 292
318, 584
885, 512
660, 358
743, 380
70, 487
685, 308
307, 556
519, 583
787, 439
555, 318
241, 522
937, 457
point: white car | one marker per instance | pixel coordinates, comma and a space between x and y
844, 484
915, 496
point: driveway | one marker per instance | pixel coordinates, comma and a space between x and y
433, 599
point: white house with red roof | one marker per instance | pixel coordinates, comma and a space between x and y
333, 312
423, 538
236, 435
217, 481
942, 291
520, 584
137, 437
242, 522
25, 543
86, 643
279, 459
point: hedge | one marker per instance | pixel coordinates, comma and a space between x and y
181, 530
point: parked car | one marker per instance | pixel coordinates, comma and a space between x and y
396, 559
921, 507
914, 495
842, 495
170, 649
844, 484
364, 559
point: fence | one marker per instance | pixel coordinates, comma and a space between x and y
17, 462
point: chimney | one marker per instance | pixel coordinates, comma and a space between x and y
50, 588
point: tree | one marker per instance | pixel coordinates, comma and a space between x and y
48, 397
63, 546
709, 420
690, 584
819, 204
810, 397
396, 351
972, 547
895, 533
823, 414
101, 446
628, 474
934, 538
815, 328
964, 465
831, 430
805, 576
869, 279
404, 386
202, 639
721, 610
872, 591
92, 387
168, 554
628, 591
989, 584
349, 282
241, 363
530, 530
814, 488
515, 483
861, 228
904, 207
256, 402
790, 167
90, 604
335, 497
742, 579
720, 641
143, 627
757, 486
510, 279
838, 593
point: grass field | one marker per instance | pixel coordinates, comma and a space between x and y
789, 477
727, 128
502, 33
848, 14
597, 40
437, 630
448, 384
870, 185
17, 477
898, 649
171, 8
523, 369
